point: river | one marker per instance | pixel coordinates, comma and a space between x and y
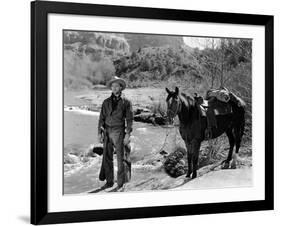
80, 134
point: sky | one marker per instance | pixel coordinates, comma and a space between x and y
200, 43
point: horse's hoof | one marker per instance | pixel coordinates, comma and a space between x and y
194, 175
233, 166
188, 175
225, 165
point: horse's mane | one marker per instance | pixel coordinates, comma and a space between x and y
187, 99
189, 111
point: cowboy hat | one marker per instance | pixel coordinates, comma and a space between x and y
118, 80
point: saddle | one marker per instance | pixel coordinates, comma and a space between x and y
215, 103
218, 107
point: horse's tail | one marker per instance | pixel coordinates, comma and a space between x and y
242, 125
238, 107
241, 122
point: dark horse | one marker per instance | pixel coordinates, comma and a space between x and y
193, 126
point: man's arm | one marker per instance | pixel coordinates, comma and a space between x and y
101, 119
129, 117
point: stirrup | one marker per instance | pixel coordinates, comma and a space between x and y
208, 133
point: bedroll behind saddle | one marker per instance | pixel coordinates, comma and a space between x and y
224, 96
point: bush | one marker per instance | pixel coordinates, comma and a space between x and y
240, 83
145, 65
81, 72
102, 72
169, 68
123, 65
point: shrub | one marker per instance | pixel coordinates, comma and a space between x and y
145, 65
102, 72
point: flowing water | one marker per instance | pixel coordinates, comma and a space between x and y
80, 134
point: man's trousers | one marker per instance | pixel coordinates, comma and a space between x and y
114, 138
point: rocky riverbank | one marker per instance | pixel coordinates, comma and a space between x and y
158, 152
147, 108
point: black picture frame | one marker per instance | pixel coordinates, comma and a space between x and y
39, 112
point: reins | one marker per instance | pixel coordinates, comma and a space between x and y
174, 113
210, 141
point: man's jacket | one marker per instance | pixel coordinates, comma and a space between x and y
121, 116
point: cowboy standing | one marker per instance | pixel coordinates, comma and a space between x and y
114, 129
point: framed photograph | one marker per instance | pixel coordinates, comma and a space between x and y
145, 112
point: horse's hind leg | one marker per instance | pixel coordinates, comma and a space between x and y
195, 155
238, 137
231, 140
189, 159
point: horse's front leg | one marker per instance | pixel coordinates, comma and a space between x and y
195, 146
189, 159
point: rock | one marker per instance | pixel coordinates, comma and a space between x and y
159, 120
138, 111
148, 117
90, 153
174, 164
163, 152
139, 41
98, 150
85, 159
144, 117
70, 159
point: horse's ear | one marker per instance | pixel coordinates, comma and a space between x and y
168, 91
177, 90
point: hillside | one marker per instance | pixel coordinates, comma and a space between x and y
96, 42
159, 65
142, 41
92, 58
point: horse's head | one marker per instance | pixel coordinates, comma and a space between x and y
173, 104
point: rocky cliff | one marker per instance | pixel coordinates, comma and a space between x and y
97, 44
142, 40
93, 57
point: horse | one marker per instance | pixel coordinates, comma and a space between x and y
193, 125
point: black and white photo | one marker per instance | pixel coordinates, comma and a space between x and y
179, 106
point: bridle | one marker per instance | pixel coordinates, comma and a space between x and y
174, 113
